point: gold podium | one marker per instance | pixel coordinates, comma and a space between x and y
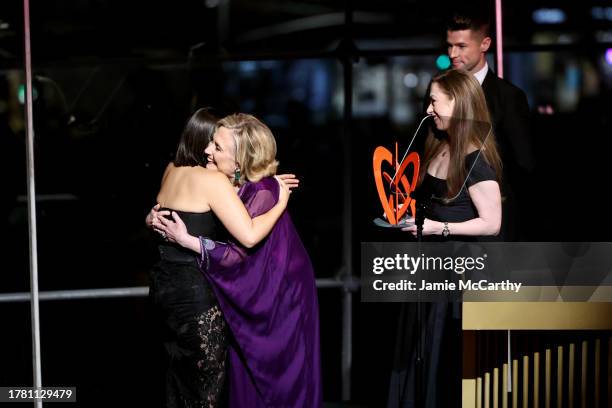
572, 367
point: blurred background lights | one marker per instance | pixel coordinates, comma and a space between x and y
601, 13
549, 16
609, 56
443, 62
21, 93
411, 80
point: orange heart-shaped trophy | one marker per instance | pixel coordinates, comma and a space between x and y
397, 202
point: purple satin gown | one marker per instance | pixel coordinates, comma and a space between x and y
269, 299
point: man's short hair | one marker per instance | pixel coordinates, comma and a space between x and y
470, 19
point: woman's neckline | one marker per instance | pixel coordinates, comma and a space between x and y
183, 211
443, 179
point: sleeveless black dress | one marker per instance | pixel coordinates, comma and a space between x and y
462, 208
192, 326
441, 326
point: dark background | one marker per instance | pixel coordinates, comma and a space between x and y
116, 81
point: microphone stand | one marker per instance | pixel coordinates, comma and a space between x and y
422, 203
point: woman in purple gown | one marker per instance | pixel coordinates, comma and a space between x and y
267, 293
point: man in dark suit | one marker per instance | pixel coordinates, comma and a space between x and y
468, 39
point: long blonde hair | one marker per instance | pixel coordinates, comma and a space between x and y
255, 146
469, 125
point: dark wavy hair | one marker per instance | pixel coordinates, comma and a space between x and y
196, 135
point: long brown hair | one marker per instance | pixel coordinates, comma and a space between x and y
469, 125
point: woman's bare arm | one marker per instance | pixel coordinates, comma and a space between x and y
228, 207
230, 210
486, 197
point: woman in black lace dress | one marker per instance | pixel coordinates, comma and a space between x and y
193, 328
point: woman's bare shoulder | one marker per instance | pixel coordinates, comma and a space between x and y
169, 168
181, 174
210, 178
472, 148
214, 174
191, 171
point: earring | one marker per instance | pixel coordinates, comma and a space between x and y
236, 176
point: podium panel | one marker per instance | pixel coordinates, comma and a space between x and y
537, 316
534, 354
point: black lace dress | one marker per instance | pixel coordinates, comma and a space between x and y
192, 326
